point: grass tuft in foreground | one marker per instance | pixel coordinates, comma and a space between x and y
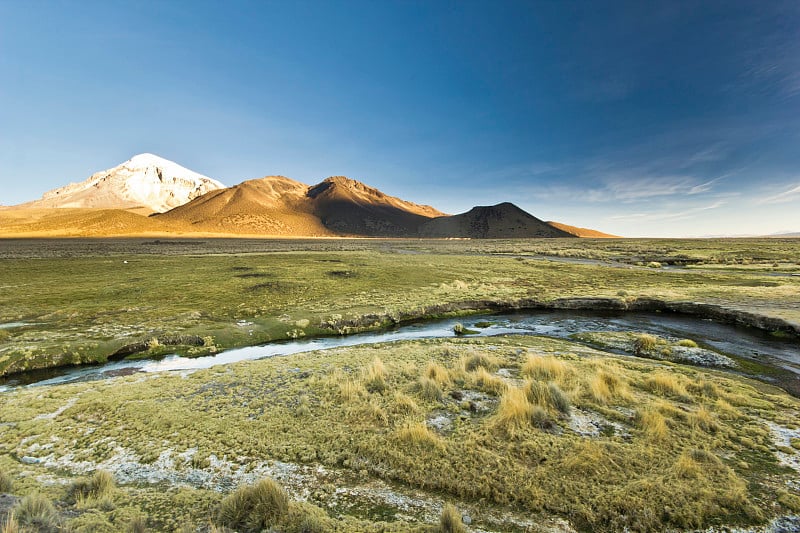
252, 508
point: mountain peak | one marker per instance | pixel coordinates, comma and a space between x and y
145, 180
504, 220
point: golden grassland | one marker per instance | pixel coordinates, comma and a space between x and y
494, 428
83, 300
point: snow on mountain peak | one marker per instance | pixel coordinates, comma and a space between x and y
145, 180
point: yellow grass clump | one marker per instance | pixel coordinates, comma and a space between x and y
488, 382
437, 373
429, 389
605, 387
374, 376
665, 384
514, 412
450, 520
653, 424
417, 434
547, 368
351, 390
254, 507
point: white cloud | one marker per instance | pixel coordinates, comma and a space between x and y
669, 215
782, 197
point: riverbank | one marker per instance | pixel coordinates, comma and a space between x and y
88, 301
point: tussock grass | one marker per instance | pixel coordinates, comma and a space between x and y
36, 511
703, 419
488, 382
351, 390
644, 343
540, 418
605, 387
374, 376
437, 373
403, 404
703, 388
429, 389
666, 384
687, 343
417, 434
514, 412
480, 360
306, 518
137, 524
726, 410
6, 482
10, 524
251, 508
653, 424
503, 460
559, 399
373, 412
450, 520
101, 485
546, 368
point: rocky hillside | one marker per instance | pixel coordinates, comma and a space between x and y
500, 221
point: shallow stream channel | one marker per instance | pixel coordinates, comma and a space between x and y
757, 353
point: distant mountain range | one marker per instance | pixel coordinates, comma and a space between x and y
149, 195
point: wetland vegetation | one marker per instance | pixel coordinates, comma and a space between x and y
508, 433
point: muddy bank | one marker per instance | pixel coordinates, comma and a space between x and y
156, 348
651, 305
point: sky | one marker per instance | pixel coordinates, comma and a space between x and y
659, 119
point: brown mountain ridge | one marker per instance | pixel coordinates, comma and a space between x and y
270, 206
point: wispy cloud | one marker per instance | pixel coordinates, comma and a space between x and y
668, 215
782, 197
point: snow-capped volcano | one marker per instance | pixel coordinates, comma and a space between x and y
145, 180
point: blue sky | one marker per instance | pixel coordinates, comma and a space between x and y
636, 118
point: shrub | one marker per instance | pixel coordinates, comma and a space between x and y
6, 483
450, 521
37, 512
547, 368
687, 343
252, 508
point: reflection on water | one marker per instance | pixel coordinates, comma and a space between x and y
730, 340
